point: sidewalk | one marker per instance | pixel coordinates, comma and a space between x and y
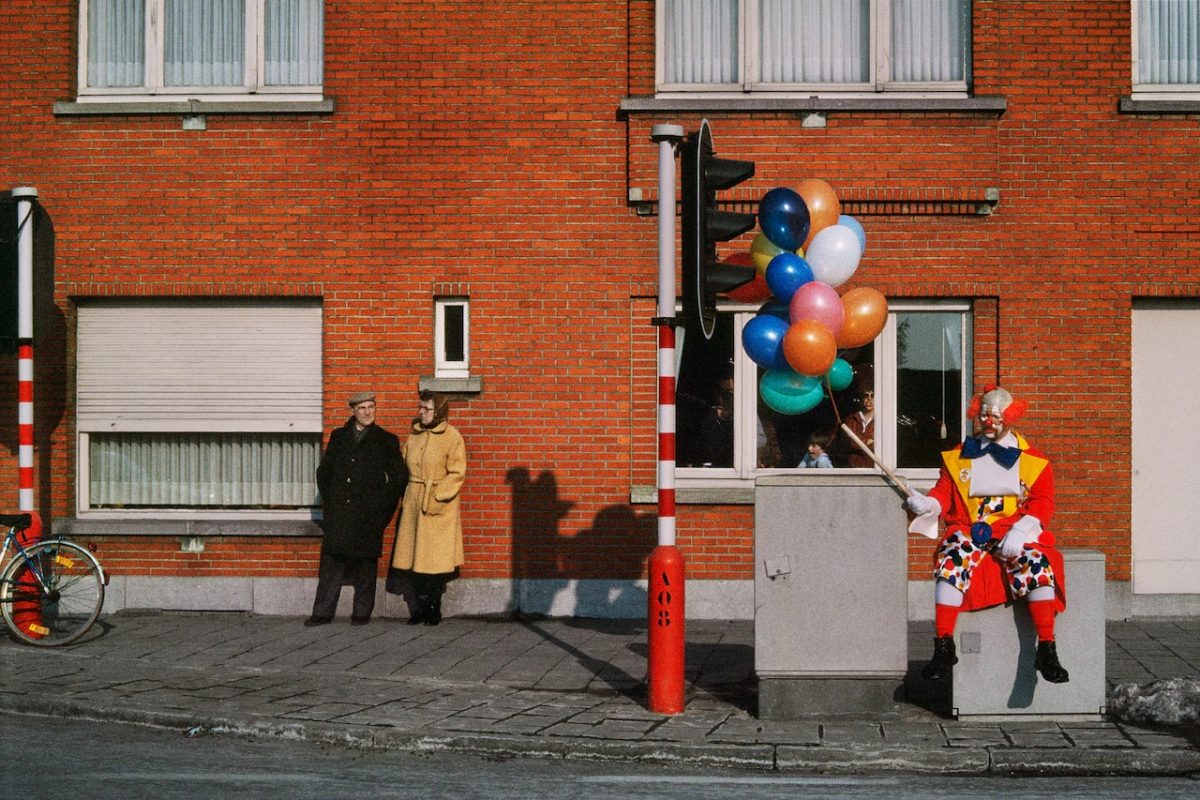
561, 688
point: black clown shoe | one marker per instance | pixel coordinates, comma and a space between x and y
1046, 662
944, 657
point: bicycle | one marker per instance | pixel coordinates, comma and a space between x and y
51, 591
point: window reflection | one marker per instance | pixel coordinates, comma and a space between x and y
929, 380
704, 398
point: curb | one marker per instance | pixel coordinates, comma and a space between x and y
815, 759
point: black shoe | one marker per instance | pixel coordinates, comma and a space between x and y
1046, 662
943, 659
359, 620
313, 622
421, 608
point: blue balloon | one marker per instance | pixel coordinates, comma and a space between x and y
762, 339
788, 392
784, 218
856, 226
840, 375
786, 273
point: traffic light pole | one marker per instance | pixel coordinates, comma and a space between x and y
25, 196
665, 606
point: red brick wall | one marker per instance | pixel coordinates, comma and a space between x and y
483, 149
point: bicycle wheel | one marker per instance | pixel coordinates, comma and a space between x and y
68, 605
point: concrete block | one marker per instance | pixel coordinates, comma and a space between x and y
995, 678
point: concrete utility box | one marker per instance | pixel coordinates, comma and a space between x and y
995, 679
830, 594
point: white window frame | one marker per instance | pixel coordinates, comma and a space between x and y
443, 366
153, 90
880, 68
290, 400
1144, 90
745, 463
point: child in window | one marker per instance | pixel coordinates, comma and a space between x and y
816, 458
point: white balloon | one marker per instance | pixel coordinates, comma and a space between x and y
833, 254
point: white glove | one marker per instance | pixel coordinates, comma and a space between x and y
920, 504
1024, 531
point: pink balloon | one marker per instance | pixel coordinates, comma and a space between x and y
820, 302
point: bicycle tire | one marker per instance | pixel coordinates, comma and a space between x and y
70, 605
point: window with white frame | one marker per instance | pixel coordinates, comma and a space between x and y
198, 406
917, 373
832, 46
1166, 46
451, 337
204, 49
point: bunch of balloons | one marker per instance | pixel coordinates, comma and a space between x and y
806, 249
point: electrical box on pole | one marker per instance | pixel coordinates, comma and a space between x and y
704, 276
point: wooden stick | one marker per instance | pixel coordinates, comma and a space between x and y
896, 479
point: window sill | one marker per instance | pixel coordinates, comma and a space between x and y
1132, 104
990, 105
67, 108
451, 385
75, 526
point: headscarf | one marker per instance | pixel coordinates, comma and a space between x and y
441, 408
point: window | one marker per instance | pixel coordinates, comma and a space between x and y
203, 406
201, 49
1166, 46
917, 372
813, 45
451, 339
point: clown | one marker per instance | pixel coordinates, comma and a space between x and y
996, 496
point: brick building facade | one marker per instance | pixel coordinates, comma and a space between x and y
501, 157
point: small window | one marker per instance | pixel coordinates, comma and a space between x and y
452, 353
814, 45
203, 49
1166, 47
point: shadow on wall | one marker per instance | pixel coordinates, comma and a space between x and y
592, 573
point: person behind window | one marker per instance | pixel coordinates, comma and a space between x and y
716, 432
996, 496
816, 458
862, 423
429, 542
360, 478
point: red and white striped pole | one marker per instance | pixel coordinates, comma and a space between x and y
665, 631
25, 346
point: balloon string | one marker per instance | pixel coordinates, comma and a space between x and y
836, 414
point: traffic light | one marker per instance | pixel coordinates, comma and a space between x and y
8, 276
704, 277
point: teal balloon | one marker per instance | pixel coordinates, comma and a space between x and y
788, 392
854, 225
840, 375
777, 308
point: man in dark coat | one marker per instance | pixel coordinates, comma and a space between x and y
361, 477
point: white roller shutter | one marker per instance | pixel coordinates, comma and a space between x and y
199, 366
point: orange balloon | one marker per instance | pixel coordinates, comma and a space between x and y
824, 208
866, 313
809, 347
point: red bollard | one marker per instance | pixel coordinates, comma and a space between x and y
27, 614
666, 640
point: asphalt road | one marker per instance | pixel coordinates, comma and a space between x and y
51, 758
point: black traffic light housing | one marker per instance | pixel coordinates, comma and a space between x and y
704, 277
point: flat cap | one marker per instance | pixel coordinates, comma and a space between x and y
361, 397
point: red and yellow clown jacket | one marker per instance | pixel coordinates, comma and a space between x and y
959, 511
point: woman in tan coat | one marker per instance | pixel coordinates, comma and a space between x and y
429, 540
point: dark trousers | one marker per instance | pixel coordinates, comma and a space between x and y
333, 573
